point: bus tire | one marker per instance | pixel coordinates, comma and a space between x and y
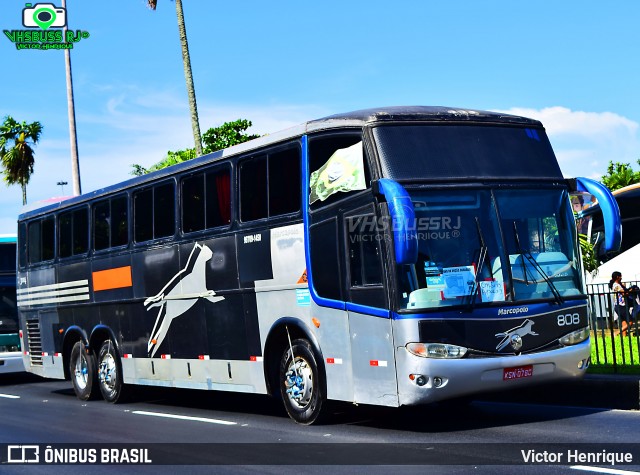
301, 384
110, 379
82, 369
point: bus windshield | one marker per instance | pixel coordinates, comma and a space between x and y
480, 246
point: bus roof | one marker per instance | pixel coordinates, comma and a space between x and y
355, 119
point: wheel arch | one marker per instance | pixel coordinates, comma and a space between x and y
277, 340
72, 335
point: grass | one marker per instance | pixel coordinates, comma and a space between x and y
603, 348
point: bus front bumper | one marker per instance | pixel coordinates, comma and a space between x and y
11, 362
425, 380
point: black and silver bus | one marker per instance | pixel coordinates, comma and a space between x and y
391, 256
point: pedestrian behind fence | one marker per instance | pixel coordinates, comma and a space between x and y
621, 293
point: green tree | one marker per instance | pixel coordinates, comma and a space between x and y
216, 138
620, 175
228, 134
188, 75
16, 151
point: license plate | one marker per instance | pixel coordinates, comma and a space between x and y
517, 373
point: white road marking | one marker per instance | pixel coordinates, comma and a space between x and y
9, 396
185, 418
612, 471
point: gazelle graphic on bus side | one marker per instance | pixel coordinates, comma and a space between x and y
180, 294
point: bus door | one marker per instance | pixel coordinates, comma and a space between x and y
374, 371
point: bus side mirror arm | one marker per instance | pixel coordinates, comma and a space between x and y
610, 211
403, 219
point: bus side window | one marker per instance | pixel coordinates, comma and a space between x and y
41, 240
154, 212
325, 261
364, 261
110, 223
284, 182
364, 253
253, 189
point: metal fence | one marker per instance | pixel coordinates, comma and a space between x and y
611, 346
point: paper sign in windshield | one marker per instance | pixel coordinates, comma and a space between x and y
492, 291
458, 281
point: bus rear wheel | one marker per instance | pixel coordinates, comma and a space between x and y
82, 368
301, 386
110, 373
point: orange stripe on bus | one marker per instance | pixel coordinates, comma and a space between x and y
112, 279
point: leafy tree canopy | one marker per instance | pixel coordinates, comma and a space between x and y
620, 175
216, 138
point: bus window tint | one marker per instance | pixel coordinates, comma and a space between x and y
101, 218
72, 233
119, 222
80, 234
193, 206
154, 212
364, 254
65, 234
110, 223
218, 198
284, 182
35, 254
163, 211
253, 189
142, 215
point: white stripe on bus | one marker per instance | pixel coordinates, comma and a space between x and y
184, 418
53, 293
9, 396
54, 300
612, 471
61, 285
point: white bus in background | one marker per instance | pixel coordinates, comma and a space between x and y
10, 354
627, 261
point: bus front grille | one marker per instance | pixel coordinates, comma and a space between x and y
35, 342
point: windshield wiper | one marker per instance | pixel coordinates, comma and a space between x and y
554, 290
481, 262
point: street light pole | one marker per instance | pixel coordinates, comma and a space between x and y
75, 161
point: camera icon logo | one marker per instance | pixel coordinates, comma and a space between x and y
43, 15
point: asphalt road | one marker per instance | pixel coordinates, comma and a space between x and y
189, 427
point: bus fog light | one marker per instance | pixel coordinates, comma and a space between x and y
583, 364
436, 350
437, 381
421, 380
575, 337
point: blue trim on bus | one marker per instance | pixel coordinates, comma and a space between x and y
367, 310
321, 301
610, 212
491, 312
318, 300
12, 239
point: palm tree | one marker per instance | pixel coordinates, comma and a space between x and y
193, 107
16, 152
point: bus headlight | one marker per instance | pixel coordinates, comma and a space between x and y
436, 350
575, 337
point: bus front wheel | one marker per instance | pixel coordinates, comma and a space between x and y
110, 373
300, 383
82, 368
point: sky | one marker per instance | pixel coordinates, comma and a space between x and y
571, 64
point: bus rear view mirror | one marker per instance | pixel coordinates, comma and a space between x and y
403, 219
610, 212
